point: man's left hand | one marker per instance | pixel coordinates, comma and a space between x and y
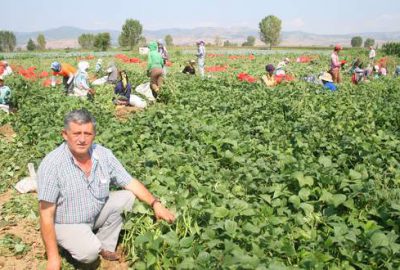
163, 213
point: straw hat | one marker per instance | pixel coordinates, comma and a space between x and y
326, 77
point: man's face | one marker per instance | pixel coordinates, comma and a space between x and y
1, 82
79, 138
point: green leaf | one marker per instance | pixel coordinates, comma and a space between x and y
326, 196
355, 175
171, 238
325, 161
303, 180
304, 193
249, 227
379, 239
188, 263
230, 227
186, 242
338, 199
221, 212
295, 200
308, 208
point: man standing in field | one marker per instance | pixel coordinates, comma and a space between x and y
74, 196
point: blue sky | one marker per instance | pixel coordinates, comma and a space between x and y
315, 16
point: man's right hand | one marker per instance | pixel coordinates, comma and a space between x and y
54, 264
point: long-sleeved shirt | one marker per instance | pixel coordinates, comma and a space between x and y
201, 52
335, 60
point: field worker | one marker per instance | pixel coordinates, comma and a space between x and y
123, 89
5, 69
397, 71
164, 54
99, 66
111, 77
335, 64
189, 68
155, 65
5, 96
269, 78
81, 81
280, 68
327, 81
358, 75
67, 72
201, 56
75, 198
371, 55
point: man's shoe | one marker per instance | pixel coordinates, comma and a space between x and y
109, 255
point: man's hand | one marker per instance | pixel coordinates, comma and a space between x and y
54, 264
163, 213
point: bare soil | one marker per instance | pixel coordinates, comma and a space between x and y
7, 132
122, 112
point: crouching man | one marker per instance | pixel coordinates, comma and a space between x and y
74, 196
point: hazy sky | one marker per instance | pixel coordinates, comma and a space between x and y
315, 16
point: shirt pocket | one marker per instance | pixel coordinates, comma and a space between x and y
102, 184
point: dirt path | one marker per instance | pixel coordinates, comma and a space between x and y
12, 224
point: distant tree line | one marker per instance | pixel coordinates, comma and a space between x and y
357, 41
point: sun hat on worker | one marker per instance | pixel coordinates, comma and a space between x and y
192, 61
338, 47
1, 78
83, 65
269, 68
56, 66
200, 42
160, 41
326, 77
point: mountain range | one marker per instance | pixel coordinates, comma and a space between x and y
67, 36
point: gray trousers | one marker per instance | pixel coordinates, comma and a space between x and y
79, 239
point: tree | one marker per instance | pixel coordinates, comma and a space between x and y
41, 42
102, 41
31, 45
168, 40
86, 41
369, 42
7, 41
131, 33
250, 41
356, 42
270, 30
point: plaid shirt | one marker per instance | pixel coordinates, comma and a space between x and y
79, 199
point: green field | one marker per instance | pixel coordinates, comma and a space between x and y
294, 177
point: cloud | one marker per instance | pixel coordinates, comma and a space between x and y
294, 24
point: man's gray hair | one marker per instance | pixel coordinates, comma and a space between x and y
81, 116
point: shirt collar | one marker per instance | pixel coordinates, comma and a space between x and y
93, 155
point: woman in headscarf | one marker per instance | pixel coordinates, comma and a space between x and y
123, 89
81, 84
269, 78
